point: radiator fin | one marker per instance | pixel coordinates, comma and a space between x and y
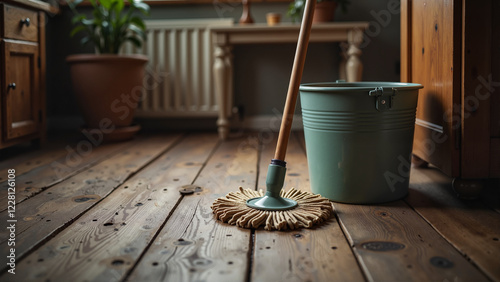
179, 76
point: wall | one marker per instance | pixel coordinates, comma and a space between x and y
261, 71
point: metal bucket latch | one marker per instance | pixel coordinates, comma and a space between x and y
384, 97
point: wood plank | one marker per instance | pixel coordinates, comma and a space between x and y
42, 64
319, 254
193, 246
470, 226
495, 75
392, 242
25, 156
435, 63
77, 158
35, 4
104, 243
24, 162
50, 211
476, 67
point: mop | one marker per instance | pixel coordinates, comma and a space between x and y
276, 209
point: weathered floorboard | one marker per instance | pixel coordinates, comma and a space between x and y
27, 161
468, 225
75, 160
319, 254
104, 243
392, 242
48, 212
396, 222
120, 217
193, 246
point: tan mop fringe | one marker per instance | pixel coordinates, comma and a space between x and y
312, 209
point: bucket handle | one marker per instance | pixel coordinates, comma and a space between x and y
383, 97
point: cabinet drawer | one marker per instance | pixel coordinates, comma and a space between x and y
19, 23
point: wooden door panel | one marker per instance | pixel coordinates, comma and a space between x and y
451, 47
495, 70
434, 65
476, 89
20, 104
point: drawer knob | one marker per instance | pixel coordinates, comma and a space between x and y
25, 21
11, 85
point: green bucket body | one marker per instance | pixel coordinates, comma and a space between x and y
359, 138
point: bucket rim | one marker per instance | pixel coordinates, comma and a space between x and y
357, 86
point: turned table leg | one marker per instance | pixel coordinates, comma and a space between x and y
354, 67
343, 61
222, 71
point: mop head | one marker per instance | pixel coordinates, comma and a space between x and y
311, 209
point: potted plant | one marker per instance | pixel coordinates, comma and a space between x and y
108, 85
324, 10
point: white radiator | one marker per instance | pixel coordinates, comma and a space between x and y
179, 79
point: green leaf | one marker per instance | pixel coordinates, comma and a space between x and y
93, 3
138, 22
109, 26
137, 42
78, 18
77, 30
85, 40
88, 22
143, 7
113, 7
137, 30
106, 3
120, 4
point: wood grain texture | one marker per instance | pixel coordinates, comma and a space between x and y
12, 27
193, 245
22, 108
49, 212
30, 159
435, 63
21, 102
469, 226
454, 47
495, 71
123, 219
42, 90
34, 4
396, 223
476, 100
318, 254
77, 158
104, 243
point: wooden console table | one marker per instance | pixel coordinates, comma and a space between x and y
225, 37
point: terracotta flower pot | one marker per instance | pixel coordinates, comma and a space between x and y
324, 11
108, 89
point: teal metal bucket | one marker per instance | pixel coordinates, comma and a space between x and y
359, 138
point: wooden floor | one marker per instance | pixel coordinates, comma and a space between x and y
115, 212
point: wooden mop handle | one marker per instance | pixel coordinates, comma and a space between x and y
295, 78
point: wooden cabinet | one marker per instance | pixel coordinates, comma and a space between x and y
22, 69
452, 47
